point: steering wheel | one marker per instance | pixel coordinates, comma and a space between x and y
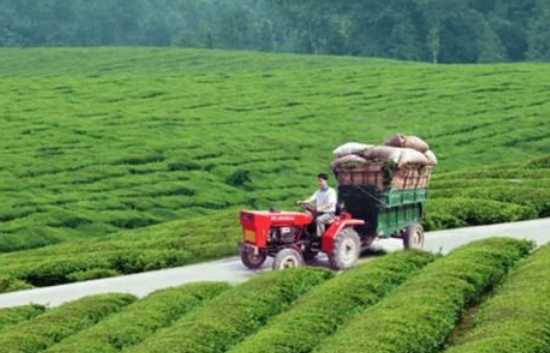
308, 207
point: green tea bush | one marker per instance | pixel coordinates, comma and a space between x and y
90, 266
420, 315
13, 284
62, 270
543, 162
12, 316
81, 157
91, 274
517, 318
140, 320
169, 245
537, 198
320, 312
235, 314
42, 332
501, 173
444, 213
457, 184
34, 238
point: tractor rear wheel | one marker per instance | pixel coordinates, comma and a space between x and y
287, 258
251, 260
413, 238
347, 248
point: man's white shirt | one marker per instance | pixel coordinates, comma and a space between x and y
325, 198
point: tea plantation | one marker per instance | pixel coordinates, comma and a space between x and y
120, 160
410, 301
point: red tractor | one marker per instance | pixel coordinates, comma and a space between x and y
290, 237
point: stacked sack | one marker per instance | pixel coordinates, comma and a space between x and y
402, 162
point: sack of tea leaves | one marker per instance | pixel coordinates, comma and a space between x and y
403, 141
384, 153
432, 159
348, 161
350, 148
410, 157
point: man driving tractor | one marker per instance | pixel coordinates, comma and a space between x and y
381, 201
325, 200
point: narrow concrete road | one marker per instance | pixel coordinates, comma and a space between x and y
231, 269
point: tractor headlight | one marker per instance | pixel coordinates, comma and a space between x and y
250, 236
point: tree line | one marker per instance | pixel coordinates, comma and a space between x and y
439, 31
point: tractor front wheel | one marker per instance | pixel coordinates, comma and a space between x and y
413, 238
287, 258
251, 260
347, 248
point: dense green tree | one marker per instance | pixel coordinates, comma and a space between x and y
491, 48
404, 41
439, 31
434, 43
539, 37
266, 38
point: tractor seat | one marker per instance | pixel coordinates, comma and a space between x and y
340, 208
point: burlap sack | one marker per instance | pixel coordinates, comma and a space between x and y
348, 161
417, 143
397, 140
432, 159
383, 153
403, 141
350, 148
410, 156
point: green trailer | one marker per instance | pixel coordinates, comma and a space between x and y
387, 213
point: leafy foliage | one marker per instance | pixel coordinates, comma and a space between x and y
12, 316
537, 198
9, 283
235, 314
453, 212
320, 312
140, 320
448, 31
41, 332
407, 302
517, 318
421, 314
495, 194
81, 157
147, 249
254, 145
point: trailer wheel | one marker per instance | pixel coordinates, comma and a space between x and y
287, 258
252, 261
347, 248
413, 238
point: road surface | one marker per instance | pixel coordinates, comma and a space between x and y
231, 269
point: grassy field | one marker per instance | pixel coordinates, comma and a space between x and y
410, 301
113, 143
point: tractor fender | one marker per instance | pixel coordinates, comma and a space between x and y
335, 229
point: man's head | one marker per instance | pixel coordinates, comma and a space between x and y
322, 179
